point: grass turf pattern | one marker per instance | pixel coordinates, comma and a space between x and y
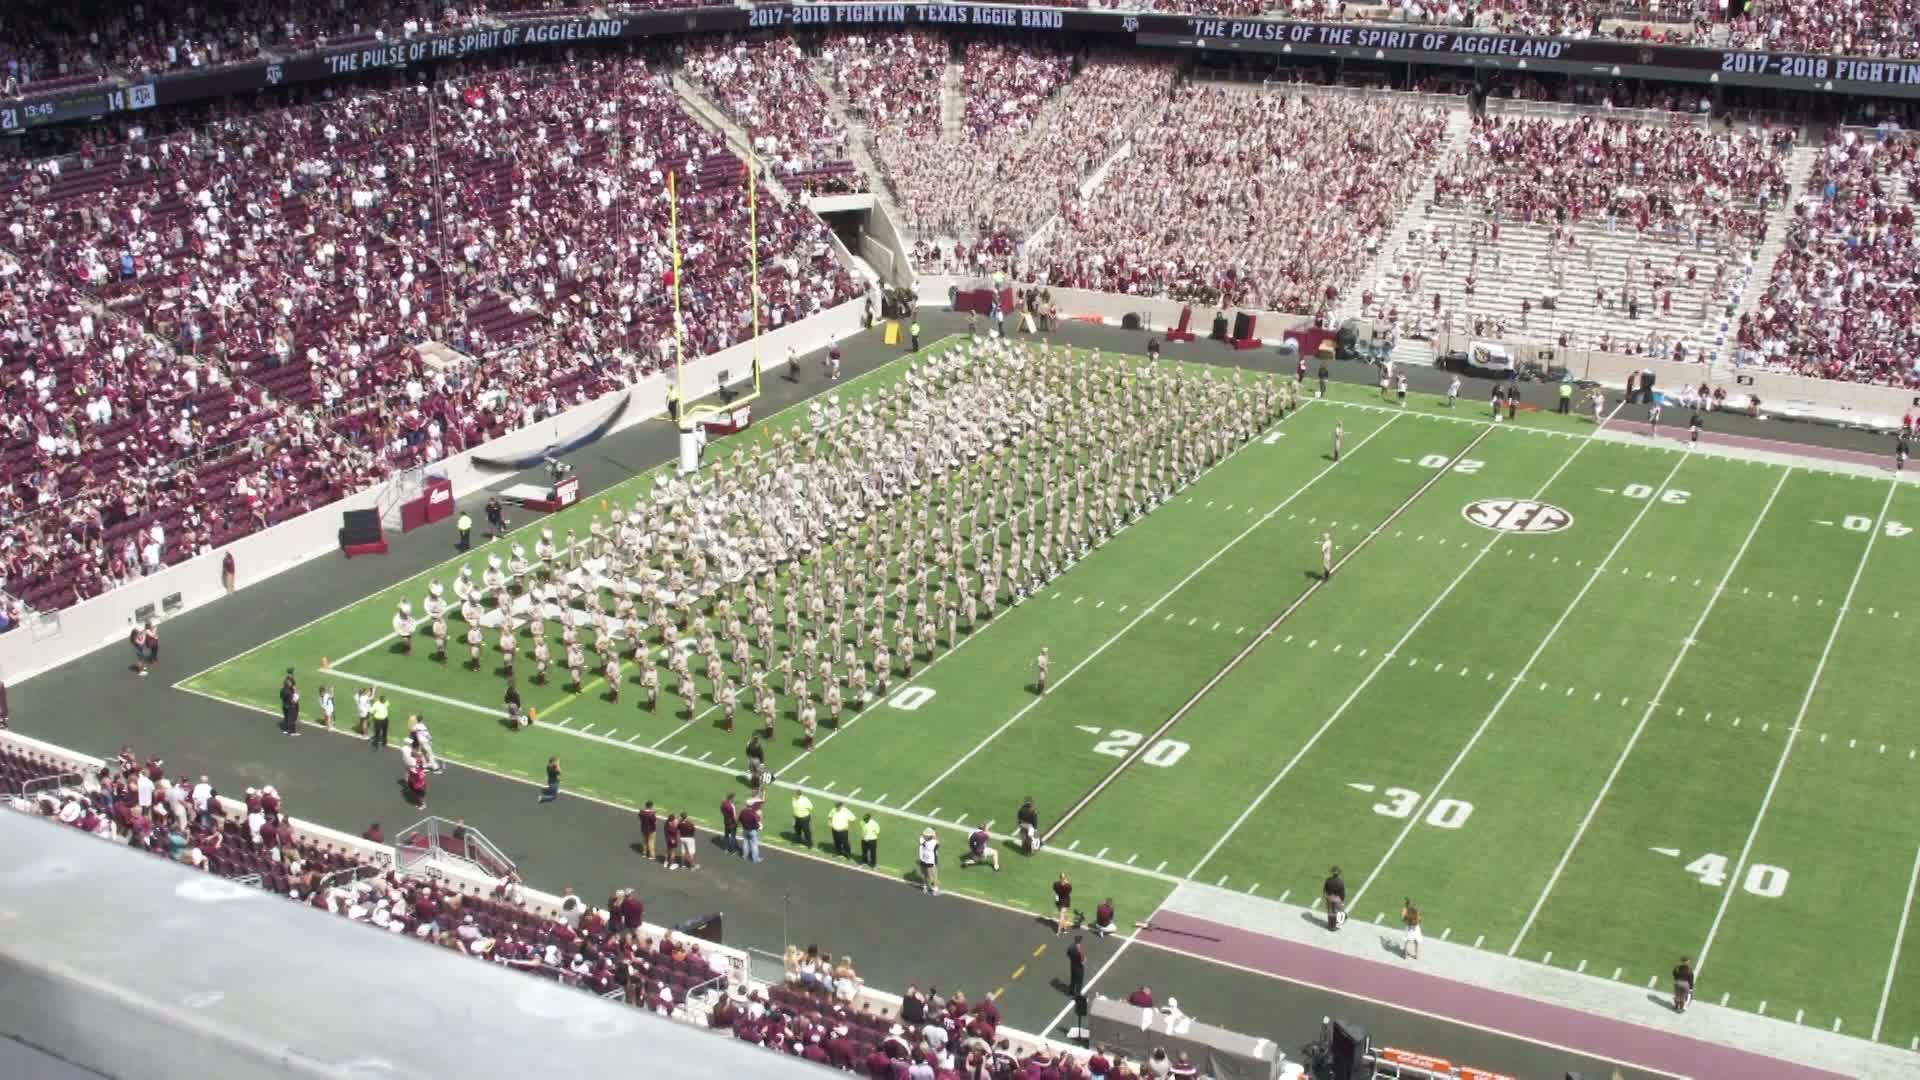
1674, 726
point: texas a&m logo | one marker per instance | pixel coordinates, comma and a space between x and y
1517, 515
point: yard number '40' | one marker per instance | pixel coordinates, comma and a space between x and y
1762, 880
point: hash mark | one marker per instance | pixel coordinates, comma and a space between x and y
727, 764
1162, 866
1101, 854
1547, 959
631, 738
1724, 997
1478, 940
705, 754
1379, 918
1253, 888
1132, 857
1284, 895
586, 729
1222, 882
1616, 977
1798, 1014
803, 780
1444, 933
1581, 969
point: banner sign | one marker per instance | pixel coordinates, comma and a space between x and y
1398, 42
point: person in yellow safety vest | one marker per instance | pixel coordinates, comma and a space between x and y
870, 841
841, 822
913, 332
802, 819
465, 526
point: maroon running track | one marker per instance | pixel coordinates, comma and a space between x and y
1509, 1014
1679, 433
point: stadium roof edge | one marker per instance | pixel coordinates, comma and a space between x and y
136, 966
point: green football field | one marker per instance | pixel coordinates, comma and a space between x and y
1591, 703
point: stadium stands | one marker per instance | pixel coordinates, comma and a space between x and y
821, 1010
766, 85
1841, 301
222, 322
1616, 235
1248, 198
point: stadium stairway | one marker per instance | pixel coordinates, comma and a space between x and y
1779, 223
708, 114
953, 104
860, 147
1459, 127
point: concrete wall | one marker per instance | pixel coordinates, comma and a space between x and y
882, 230
1859, 403
53, 640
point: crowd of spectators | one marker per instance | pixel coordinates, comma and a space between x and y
1596, 233
1034, 127
891, 80
822, 1011
1844, 301
70, 44
1246, 198
1647, 177
767, 85
210, 332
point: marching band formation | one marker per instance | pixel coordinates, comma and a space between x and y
873, 533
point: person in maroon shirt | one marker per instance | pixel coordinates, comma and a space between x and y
1141, 998
374, 834
1103, 918
670, 832
649, 824
3, 704
840, 1049
729, 818
632, 911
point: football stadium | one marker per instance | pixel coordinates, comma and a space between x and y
1201, 538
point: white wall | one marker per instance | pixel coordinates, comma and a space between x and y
84, 627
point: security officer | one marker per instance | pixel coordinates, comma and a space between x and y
465, 524
913, 332
673, 403
380, 712
870, 841
841, 822
1566, 397
802, 819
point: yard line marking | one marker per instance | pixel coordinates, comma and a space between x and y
1599, 571
1633, 740
365, 649
1385, 659
1786, 749
1122, 632
1899, 939
1307, 594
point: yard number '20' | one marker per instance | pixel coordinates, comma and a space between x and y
1164, 753
1444, 814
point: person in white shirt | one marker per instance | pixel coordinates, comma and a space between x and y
929, 857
